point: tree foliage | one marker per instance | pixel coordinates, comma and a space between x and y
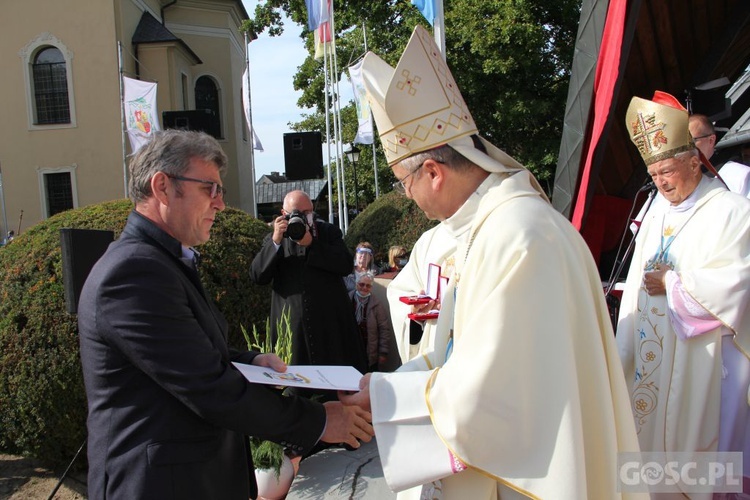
392, 219
511, 59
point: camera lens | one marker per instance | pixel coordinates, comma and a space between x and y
297, 227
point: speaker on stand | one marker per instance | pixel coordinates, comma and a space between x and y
81, 248
303, 156
201, 120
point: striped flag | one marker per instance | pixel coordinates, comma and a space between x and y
322, 39
317, 13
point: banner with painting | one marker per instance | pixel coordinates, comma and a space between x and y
141, 116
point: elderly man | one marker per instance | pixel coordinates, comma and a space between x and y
168, 413
684, 318
307, 280
522, 394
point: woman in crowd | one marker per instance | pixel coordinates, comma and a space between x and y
397, 259
364, 262
372, 320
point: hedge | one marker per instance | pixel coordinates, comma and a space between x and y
392, 219
42, 400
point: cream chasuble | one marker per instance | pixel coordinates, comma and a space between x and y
676, 385
532, 398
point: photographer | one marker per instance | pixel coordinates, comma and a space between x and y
306, 271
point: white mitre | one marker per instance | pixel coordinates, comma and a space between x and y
417, 107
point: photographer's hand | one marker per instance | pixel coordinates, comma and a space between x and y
279, 228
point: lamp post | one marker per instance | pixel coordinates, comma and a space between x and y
352, 153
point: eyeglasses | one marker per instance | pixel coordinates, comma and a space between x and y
216, 188
364, 285
701, 137
400, 186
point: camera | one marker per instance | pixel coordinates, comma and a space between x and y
297, 226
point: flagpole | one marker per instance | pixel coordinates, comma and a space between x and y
250, 127
328, 134
343, 212
439, 27
337, 119
374, 158
327, 60
122, 120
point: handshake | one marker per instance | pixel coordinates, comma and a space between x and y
349, 420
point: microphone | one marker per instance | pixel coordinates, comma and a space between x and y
647, 187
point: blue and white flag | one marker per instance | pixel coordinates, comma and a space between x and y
427, 8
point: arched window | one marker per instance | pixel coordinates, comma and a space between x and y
50, 75
207, 97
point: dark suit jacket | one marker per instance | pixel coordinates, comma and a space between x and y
310, 283
168, 413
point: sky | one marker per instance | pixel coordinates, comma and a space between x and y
273, 63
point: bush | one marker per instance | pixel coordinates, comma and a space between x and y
392, 219
42, 400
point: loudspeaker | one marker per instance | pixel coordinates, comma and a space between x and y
202, 120
303, 156
81, 248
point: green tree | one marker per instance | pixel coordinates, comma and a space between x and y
511, 59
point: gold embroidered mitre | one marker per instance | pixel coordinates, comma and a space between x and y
417, 106
658, 128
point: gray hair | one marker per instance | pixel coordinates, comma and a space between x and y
171, 151
442, 154
366, 274
684, 155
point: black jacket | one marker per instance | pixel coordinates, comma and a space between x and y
168, 413
310, 283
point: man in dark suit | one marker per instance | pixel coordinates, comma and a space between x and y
308, 273
168, 413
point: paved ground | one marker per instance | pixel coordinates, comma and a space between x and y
27, 479
336, 473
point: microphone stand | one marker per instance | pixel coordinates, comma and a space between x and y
613, 303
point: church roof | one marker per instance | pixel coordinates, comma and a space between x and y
149, 30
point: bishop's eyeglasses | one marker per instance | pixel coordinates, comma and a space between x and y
400, 186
